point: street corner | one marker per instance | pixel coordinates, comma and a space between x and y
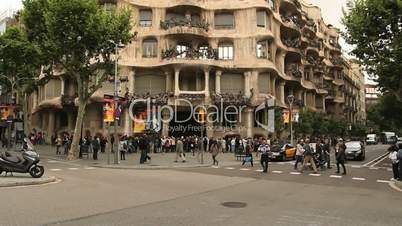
396, 185
18, 180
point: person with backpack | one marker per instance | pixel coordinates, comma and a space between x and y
393, 156
308, 157
249, 157
58, 142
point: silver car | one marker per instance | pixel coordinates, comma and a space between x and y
355, 150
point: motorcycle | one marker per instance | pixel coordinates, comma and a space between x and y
28, 164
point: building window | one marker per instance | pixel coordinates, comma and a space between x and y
182, 49
225, 51
262, 18
145, 18
224, 21
307, 75
271, 4
264, 49
203, 50
149, 48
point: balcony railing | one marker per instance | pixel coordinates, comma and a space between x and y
191, 53
293, 70
184, 22
311, 25
336, 61
292, 20
292, 42
334, 43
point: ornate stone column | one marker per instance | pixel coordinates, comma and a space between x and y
168, 75
176, 81
249, 122
62, 86
247, 76
218, 76
131, 81
206, 72
50, 126
282, 91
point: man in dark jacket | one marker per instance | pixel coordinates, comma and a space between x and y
95, 147
341, 156
143, 146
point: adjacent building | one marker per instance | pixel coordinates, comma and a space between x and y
237, 52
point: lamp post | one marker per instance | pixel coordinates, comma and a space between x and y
291, 99
116, 99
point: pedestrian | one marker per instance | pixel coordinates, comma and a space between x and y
399, 157
123, 148
58, 142
393, 156
326, 148
299, 153
341, 156
103, 142
308, 157
214, 152
248, 158
179, 151
95, 147
66, 145
265, 150
143, 146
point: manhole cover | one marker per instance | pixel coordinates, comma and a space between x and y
234, 204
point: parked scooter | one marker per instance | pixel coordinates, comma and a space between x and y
29, 164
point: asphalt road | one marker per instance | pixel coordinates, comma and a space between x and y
92, 196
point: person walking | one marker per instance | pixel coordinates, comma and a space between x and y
308, 157
179, 150
264, 149
143, 146
399, 157
248, 158
393, 156
95, 147
123, 148
58, 142
299, 153
341, 156
103, 142
214, 152
326, 148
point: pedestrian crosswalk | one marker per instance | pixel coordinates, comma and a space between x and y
71, 169
296, 173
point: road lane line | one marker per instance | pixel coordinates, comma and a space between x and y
358, 178
382, 159
73, 168
335, 176
277, 171
374, 168
54, 170
259, 170
295, 173
314, 174
376, 159
229, 168
244, 169
383, 181
89, 168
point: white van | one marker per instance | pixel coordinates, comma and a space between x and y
371, 139
388, 137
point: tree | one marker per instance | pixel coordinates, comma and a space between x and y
373, 28
79, 34
386, 114
19, 65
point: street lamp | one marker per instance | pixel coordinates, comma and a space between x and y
291, 100
116, 99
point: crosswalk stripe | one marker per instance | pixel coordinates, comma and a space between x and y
73, 168
215, 167
244, 169
315, 174
229, 168
356, 166
55, 170
358, 178
383, 181
89, 168
277, 171
335, 176
259, 170
295, 173
389, 169
374, 168
52, 161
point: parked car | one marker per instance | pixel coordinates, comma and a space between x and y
283, 152
371, 139
388, 137
355, 150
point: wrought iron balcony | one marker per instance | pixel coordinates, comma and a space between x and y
336, 61
236, 99
157, 99
291, 42
292, 20
311, 25
334, 43
191, 53
184, 22
293, 70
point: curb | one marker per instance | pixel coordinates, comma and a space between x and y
148, 167
27, 183
397, 185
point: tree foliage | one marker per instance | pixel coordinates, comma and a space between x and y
76, 35
374, 29
385, 115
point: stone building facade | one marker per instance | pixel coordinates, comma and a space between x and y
237, 52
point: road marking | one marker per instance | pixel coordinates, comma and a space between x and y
244, 169
376, 159
389, 169
356, 166
89, 168
52, 161
215, 167
73, 168
54, 170
383, 181
295, 173
281, 163
277, 171
358, 178
374, 168
259, 170
315, 174
229, 168
335, 176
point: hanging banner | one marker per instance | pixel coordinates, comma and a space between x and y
139, 121
285, 116
108, 109
6, 112
295, 115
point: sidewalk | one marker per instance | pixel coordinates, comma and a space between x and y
158, 160
23, 180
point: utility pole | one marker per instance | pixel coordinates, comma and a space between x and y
116, 99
